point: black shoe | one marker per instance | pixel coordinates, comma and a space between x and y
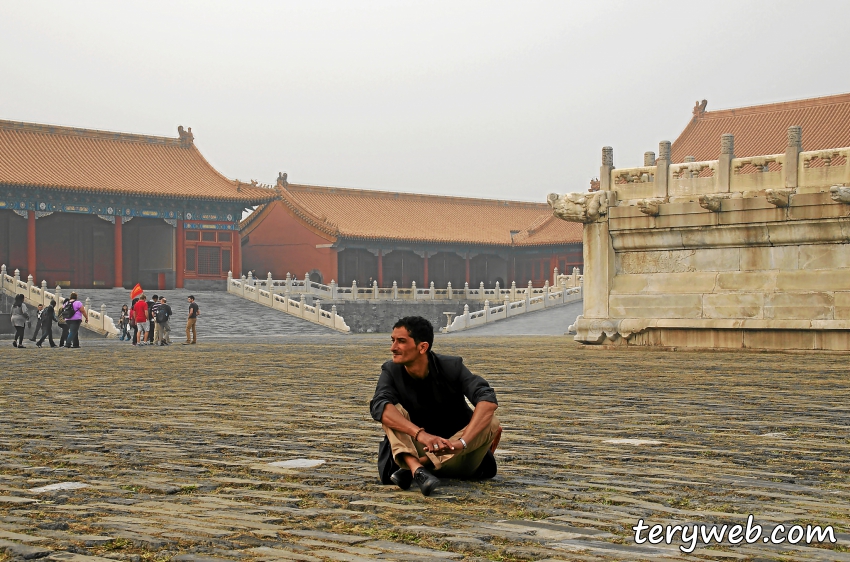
15, 343
38, 345
402, 478
487, 468
427, 481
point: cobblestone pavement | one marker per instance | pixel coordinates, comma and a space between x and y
183, 455
222, 315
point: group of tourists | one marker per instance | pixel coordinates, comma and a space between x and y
149, 320
144, 322
69, 317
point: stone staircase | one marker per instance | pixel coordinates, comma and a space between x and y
222, 315
547, 322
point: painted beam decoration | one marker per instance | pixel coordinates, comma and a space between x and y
154, 208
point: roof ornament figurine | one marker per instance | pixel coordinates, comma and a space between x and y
594, 185
186, 137
282, 179
699, 108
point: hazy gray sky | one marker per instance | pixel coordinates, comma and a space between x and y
491, 99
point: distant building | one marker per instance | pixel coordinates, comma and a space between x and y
87, 208
358, 235
761, 129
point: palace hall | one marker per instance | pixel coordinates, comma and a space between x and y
349, 235
86, 208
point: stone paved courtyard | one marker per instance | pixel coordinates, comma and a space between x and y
183, 453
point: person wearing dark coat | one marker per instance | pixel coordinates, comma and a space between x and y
20, 315
38, 323
48, 316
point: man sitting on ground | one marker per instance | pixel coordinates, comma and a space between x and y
420, 401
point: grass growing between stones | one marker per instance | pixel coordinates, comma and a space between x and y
175, 445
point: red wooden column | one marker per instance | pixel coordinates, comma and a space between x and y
31, 244
181, 256
426, 271
467, 267
119, 253
380, 268
237, 254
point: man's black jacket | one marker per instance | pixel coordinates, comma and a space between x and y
437, 402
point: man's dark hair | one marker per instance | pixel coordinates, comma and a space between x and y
191, 297
155, 297
420, 329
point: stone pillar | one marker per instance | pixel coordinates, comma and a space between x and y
180, 268
449, 290
354, 290
466, 290
606, 169
598, 269
486, 311
481, 290
724, 166
792, 156
395, 291
507, 306
237, 251
44, 300
31, 243
380, 268
553, 268
413, 291
426, 269
118, 254
375, 290
648, 158
513, 291
662, 169
302, 305
103, 316
467, 268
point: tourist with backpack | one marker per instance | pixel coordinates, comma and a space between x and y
20, 315
74, 312
163, 314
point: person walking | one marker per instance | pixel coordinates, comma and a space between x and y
140, 316
20, 315
63, 323
163, 315
190, 322
38, 323
74, 312
47, 319
124, 323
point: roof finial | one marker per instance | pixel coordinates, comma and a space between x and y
282, 179
186, 137
699, 108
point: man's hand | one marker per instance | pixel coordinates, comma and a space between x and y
437, 445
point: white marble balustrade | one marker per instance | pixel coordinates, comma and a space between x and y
36, 295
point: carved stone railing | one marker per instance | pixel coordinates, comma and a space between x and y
544, 299
731, 253
295, 307
35, 295
293, 286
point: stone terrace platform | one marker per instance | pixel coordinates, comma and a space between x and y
182, 453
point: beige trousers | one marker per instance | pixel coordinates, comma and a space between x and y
191, 331
460, 464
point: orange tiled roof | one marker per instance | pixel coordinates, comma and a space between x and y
100, 161
359, 214
762, 129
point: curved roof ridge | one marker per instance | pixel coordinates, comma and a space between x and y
305, 213
776, 106
89, 133
405, 195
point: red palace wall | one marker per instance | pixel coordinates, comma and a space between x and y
280, 244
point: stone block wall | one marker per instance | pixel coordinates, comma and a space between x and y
721, 261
